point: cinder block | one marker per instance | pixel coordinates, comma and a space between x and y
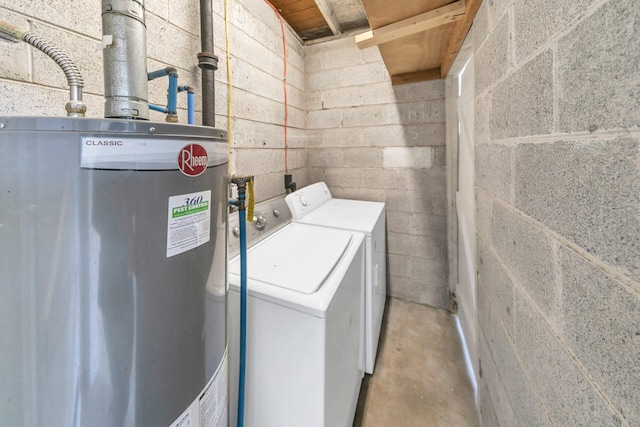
483, 215
568, 395
429, 135
601, 324
313, 101
312, 63
397, 265
430, 271
385, 136
332, 157
341, 57
323, 119
370, 54
589, 192
417, 246
23, 100
160, 8
492, 60
498, 9
487, 413
315, 174
15, 57
351, 76
432, 180
493, 169
364, 116
314, 138
480, 28
497, 284
371, 194
84, 19
523, 103
418, 202
343, 177
598, 70
526, 251
185, 15
490, 376
527, 408
407, 157
415, 112
179, 51
342, 137
342, 97
428, 225
422, 91
398, 222
379, 93
259, 161
390, 179
536, 22
363, 157
483, 118
268, 186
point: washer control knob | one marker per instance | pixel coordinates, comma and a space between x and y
236, 231
303, 201
259, 221
276, 213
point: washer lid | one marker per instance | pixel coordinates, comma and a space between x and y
348, 214
299, 257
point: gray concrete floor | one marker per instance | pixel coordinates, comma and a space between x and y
420, 377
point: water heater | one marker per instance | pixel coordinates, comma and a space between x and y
112, 273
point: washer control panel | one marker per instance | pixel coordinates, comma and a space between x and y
268, 217
307, 199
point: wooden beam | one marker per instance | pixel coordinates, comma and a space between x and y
425, 21
415, 76
458, 36
327, 12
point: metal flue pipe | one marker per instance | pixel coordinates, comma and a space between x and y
208, 63
124, 43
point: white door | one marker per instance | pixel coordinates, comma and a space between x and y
466, 289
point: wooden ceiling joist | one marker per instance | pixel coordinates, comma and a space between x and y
416, 24
329, 16
459, 34
416, 76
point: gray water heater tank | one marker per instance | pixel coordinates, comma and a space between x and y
112, 273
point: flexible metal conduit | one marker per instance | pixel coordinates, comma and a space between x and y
75, 107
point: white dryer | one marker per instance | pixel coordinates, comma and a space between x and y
315, 205
305, 357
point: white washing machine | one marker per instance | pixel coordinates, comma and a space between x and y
305, 357
315, 205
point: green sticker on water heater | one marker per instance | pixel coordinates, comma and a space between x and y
189, 222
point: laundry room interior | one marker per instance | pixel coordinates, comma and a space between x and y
496, 141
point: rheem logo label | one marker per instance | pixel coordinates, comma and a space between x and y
193, 160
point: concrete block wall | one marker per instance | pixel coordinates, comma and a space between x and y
558, 212
369, 140
31, 84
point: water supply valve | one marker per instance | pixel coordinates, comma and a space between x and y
288, 184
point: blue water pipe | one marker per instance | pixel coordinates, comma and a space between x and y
172, 93
242, 182
190, 102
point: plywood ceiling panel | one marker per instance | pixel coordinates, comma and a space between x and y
418, 39
381, 13
420, 51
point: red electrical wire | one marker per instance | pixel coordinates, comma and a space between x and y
284, 80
